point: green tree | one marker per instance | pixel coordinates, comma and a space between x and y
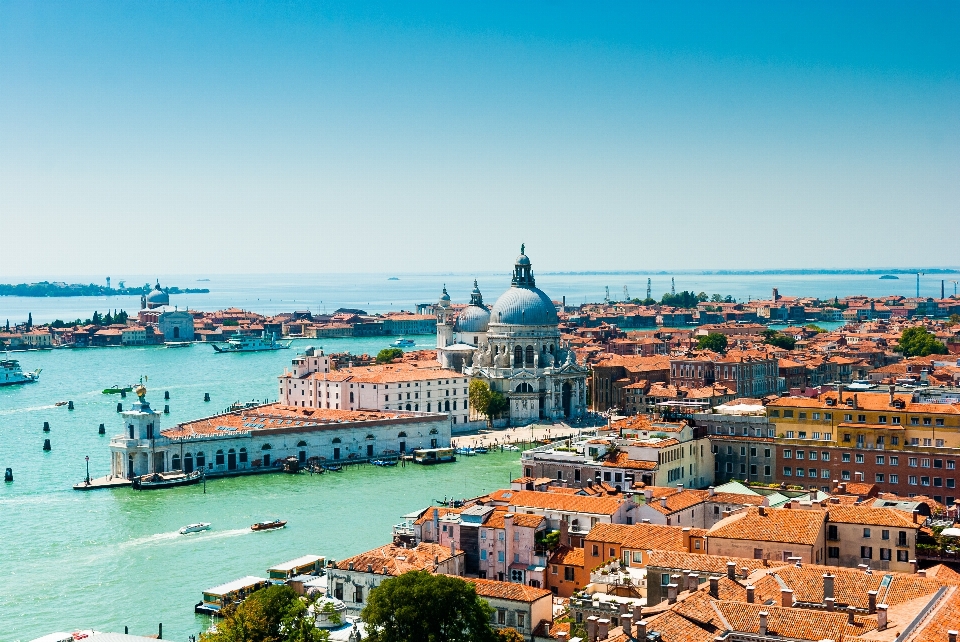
778, 339
230, 322
421, 607
498, 404
389, 354
713, 341
96, 319
814, 328
509, 634
702, 297
480, 395
272, 614
917, 342
716, 298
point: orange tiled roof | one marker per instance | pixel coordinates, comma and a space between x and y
568, 503
871, 516
621, 459
639, 536
567, 556
508, 590
713, 564
776, 525
396, 560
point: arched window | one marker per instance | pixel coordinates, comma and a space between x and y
201, 460
416, 407
243, 455
301, 444
219, 458
131, 432
434, 431
517, 357
231, 451
266, 447
370, 437
188, 463
529, 355
401, 435
428, 406
408, 406
351, 397
176, 332
551, 348
446, 406
175, 462
336, 440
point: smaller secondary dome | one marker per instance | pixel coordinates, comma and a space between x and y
157, 297
473, 318
444, 297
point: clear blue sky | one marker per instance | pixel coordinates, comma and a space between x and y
200, 137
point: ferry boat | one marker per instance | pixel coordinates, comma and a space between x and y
11, 374
219, 597
428, 456
195, 528
172, 479
266, 526
116, 390
403, 343
246, 343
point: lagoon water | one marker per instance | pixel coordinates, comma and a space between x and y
112, 558
270, 294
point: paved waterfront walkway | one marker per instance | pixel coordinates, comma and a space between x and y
102, 482
521, 435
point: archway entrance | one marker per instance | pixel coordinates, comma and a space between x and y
543, 405
231, 460
566, 395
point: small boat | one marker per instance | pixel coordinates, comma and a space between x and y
267, 526
463, 450
116, 390
177, 344
61, 403
510, 447
291, 465
384, 462
403, 343
393, 278
12, 374
334, 468
480, 450
889, 277
172, 479
195, 528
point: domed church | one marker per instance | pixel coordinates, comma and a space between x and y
515, 347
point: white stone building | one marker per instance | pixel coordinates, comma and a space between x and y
516, 349
260, 437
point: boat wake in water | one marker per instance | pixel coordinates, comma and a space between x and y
175, 536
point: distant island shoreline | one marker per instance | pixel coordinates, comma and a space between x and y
798, 272
47, 289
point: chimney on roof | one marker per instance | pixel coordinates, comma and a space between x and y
715, 587
603, 629
829, 603
762, 510
763, 622
827, 585
745, 572
642, 631
436, 560
693, 581
751, 591
626, 622
922, 572
453, 550
786, 597
913, 566
369, 568
855, 406
731, 570
916, 515
881, 617
671, 593
663, 502
564, 533
592, 628
952, 635
871, 602
644, 521
680, 486
711, 491
350, 566
893, 389
648, 495
813, 494
637, 613
562, 636
839, 394
850, 611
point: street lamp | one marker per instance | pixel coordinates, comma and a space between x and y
88, 469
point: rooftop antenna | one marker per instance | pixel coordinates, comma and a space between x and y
648, 287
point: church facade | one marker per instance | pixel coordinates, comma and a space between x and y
515, 348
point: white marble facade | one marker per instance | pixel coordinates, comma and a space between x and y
515, 347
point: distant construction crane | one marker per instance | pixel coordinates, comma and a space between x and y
673, 289
606, 299
648, 287
626, 294
954, 287
919, 274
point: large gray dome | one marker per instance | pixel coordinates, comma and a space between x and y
472, 318
524, 306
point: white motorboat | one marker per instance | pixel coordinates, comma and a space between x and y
403, 343
11, 373
246, 343
194, 528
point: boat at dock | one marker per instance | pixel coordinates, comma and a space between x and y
384, 462
333, 468
219, 597
480, 450
268, 526
194, 528
247, 343
466, 451
12, 374
172, 479
429, 456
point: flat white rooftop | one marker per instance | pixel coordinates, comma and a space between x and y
235, 585
292, 564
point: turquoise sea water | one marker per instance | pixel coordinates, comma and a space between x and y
109, 558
